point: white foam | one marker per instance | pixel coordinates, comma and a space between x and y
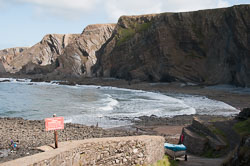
67, 120
110, 105
203, 105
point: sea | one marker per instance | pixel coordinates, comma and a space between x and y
103, 105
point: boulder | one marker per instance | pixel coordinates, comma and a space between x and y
195, 143
201, 136
244, 114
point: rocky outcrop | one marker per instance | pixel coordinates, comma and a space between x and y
79, 56
8, 55
205, 47
43, 53
71, 54
240, 157
244, 114
201, 136
2, 69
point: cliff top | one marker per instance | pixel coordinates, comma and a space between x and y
157, 14
93, 27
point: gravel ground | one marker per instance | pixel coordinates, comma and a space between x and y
29, 134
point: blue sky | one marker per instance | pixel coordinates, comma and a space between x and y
25, 22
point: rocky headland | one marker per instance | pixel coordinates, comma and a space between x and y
79, 56
205, 47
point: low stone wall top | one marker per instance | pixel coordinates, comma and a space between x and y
136, 150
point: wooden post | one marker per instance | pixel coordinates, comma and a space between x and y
55, 136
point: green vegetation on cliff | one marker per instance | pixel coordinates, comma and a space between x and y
125, 34
243, 127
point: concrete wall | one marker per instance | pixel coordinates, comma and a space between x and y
137, 150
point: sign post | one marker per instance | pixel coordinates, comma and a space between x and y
55, 135
55, 123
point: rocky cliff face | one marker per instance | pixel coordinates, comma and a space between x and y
71, 54
2, 69
206, 47
79, 56
42, 54
8, 55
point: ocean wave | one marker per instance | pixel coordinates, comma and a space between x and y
90, 104
112, 103
204, 105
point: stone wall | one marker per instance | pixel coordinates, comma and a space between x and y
136, 150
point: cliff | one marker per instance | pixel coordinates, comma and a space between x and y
2, 69
43, 53
79, 56
205, 47
7, 56
67, 55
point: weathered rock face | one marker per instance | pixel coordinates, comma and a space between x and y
244, 114
2, 69
207, 47
7, 56
79, 56
201, 136
241, 154
42, 54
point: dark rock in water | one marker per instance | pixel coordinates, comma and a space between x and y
205, 47
37, 80
244, 114
5, 81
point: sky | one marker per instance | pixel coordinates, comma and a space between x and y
25, 22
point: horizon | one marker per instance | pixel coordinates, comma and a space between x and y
26, 22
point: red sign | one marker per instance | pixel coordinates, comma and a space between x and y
56, 123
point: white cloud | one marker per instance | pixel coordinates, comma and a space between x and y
116, 8
84, 5
113, 9
63, 8
223, 3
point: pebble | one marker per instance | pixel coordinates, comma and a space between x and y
31, 133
